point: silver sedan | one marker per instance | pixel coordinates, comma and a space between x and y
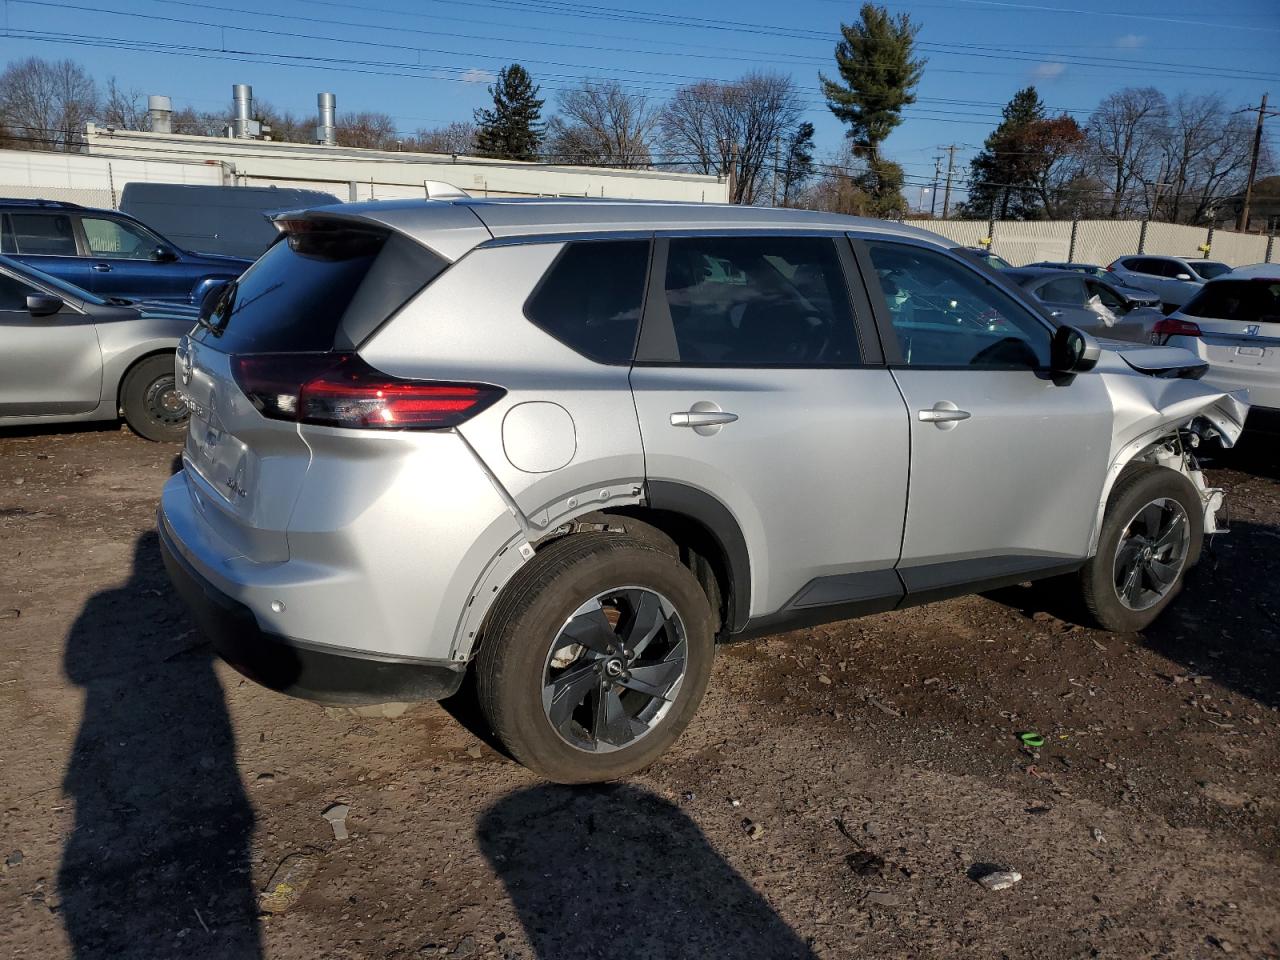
68, 355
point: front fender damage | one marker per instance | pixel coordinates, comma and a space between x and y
1158, 420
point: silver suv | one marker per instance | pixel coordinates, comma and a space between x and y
569, 445
1175, 279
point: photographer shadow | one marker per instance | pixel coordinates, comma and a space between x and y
158, 863
617, 871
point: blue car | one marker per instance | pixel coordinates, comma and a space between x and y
108, 253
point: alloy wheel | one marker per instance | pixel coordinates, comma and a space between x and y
614, 669
1151, 554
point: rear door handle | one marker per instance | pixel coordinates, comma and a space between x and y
702, 418
102, 267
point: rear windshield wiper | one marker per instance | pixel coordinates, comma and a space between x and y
223, 305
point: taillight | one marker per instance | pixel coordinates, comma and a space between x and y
1173, 327
341, 390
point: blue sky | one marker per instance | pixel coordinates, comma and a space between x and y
426, 62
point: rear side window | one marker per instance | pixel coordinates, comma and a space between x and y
43, 234
324, 289
759, 302
1069, 290
591, 298
1252, 301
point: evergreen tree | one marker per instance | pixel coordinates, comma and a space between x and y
1020, 173
879, 73
513, 129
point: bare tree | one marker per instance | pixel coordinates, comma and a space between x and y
124, 109
199, 123
457, 138
601, 123
368, 128
45, 104
732, 127
1125, 134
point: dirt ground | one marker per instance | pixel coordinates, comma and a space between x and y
149, 793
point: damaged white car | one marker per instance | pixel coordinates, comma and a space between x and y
569, 446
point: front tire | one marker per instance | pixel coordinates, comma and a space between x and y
596, 658
1151, 535
149, 397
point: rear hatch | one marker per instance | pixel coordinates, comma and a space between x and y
299, 311
1238, 323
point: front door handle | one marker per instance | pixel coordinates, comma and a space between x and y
102, 267
944, 415
702, 418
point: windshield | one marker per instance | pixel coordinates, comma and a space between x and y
997, 262
52, 283
1210, 269
1252, 301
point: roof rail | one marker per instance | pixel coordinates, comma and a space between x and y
39, 202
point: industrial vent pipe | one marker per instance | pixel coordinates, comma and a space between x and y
327, 128
242, 122
160, 109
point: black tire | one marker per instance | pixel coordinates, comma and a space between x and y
1139, 486
149, 399
513, 661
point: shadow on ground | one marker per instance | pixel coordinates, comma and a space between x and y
1221, 624
158, 862
618, 871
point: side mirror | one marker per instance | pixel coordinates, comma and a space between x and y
163, 255
43, 304
1073, 351
1183, 276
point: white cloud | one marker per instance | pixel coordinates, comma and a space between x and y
1131, 41
476, 75
1049, 71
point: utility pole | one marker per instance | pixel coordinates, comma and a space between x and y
776, 147
951, 163
937, 174
733, 171
1253, 164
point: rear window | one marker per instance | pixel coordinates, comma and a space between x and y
1209, 269
1252, 301
591, 298
324, 289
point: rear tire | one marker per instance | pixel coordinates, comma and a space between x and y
1151, 535
149, 397
584, 712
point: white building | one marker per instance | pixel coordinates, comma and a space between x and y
355, 174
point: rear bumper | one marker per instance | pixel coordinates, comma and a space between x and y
311, 671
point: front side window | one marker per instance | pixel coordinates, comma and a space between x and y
591, 298
1208, 269
946, 315
14, 293
43, 234
1107, 297
119, 240
759, 301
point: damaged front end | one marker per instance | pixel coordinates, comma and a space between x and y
1166, 416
